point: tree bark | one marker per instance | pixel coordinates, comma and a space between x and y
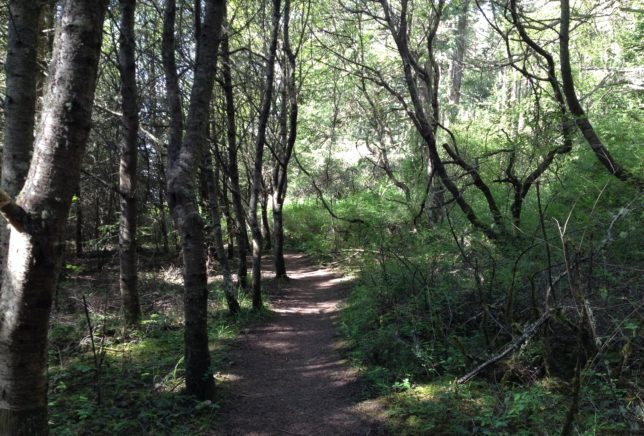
181, 197
173, 93
79, 223
283, 157
128, 165
38, 219
581, 119
21, 72
230, 223
233, 167
161, 208
266, 228
215, 214
456, 73
259, 155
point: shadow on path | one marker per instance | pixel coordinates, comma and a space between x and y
287, 376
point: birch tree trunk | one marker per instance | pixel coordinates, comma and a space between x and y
38, 218
128, 165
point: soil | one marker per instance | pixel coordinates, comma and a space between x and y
288, 375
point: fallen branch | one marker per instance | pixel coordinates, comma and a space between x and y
527, 334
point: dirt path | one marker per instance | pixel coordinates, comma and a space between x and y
287, 376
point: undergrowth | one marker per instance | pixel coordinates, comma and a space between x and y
134, 380
431, 304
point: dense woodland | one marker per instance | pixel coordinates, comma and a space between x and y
476, 166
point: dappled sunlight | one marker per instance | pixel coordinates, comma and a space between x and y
290, 370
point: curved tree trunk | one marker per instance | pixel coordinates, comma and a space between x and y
38, 220
425, 125
581, 119
21, 72
127, 168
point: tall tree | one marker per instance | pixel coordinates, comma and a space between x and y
21, 72
458, 56
38, 217
285, 150
233, 166
181, 194
260, 142
128, 164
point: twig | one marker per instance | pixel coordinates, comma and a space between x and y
106, 184
97, 365
321, 196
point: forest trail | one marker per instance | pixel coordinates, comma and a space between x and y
287, 375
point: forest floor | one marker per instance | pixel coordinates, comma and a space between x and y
287, 375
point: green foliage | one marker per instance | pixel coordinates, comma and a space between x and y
419, 317
142, 377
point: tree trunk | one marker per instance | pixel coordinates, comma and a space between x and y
581, 119
215, 214
160, 207
456, 73
128, 165
181, 197
425, 125
38, 221
173, 93
289, 136
278, 234
259, 155
21, 72
266, 228
233, 168
79, 223
230, 224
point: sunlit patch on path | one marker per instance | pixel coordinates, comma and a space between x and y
287, 376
